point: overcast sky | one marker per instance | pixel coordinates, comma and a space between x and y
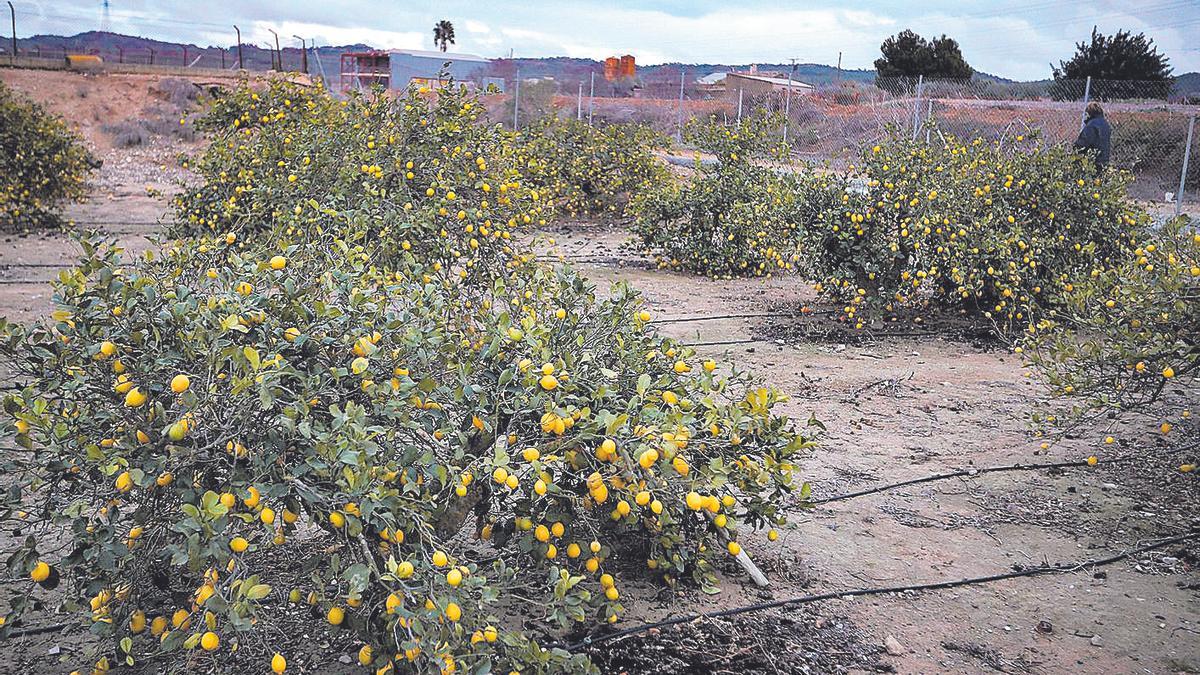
1017, 39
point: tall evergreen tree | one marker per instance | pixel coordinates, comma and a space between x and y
907, 55
1121, 56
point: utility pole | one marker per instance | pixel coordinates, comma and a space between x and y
303, 54
278, 59
591, 98
13, 14
839, 70
241, 66
787, 103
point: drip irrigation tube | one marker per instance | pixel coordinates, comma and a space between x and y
592, 641
963, 472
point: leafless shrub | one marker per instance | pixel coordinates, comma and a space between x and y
127, 133
179, 92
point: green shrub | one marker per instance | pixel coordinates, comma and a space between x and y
420, 173
736, 216
1125, 339
988, 230
462, 456
43, 164
592, 171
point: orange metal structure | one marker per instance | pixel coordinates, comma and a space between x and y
627, 66
611, 68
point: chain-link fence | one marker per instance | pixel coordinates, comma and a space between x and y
1152, 125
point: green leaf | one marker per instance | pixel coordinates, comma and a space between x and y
252, 356
643, 384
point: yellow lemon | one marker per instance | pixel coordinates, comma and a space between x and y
134, 398
124, 482
41, 572
180, 383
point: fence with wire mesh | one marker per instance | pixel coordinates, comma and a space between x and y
834, 123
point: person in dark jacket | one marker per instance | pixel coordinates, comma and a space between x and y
1096, 135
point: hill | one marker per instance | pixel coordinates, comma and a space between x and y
568, 72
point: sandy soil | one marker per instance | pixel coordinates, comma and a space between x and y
896, 408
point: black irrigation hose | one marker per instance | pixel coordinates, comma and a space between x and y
755, 315
858, 592
716, 317
721, 342
963, 472
987, 469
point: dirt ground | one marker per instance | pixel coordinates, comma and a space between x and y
896, 407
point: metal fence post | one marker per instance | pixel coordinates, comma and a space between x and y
928, 115
12, 13
516, 99
579, 103
739, 118
917, 107
1187, 158
591, 98
1087, 93
787, 103
679, 113
241, 64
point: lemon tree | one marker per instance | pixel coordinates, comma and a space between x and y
736, 216
1124, 340
464, 441
424, 173
43, 164
592, 170
993, 231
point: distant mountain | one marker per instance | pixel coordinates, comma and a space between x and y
132, 49
1188, 84
569, 73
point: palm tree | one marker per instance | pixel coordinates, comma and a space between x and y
443, 33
